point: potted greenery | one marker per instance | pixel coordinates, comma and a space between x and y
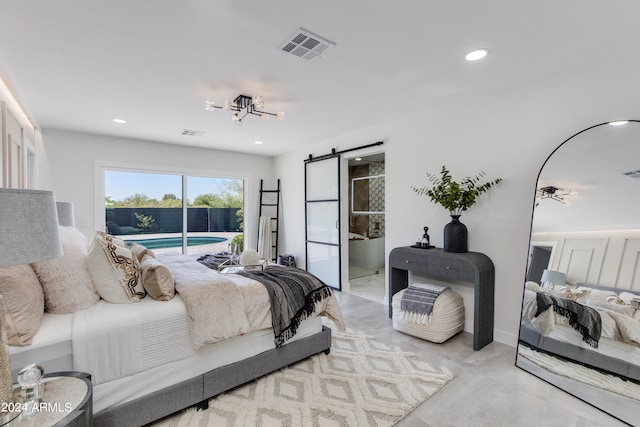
456, 197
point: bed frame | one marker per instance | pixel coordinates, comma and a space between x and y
198, 390
530, 337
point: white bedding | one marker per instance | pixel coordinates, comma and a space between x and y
615, 326
128, 388
117, 340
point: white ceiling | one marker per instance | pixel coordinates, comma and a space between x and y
76, 64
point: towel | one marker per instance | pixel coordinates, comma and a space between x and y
264, 238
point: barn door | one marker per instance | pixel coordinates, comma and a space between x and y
322, 219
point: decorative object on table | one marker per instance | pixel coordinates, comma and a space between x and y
30, 233
30, 378
456, 197
248, 260
424, 242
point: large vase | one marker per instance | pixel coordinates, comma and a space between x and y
455, 235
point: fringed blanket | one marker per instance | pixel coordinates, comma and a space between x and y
584, 319
293, 294
417, 302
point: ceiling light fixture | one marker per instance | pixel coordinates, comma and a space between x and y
554, 193
619, 123
242, 106
120, 121
476, 54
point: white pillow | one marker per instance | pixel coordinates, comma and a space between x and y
115, 270
66, 281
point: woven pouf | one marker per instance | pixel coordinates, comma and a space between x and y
446, 320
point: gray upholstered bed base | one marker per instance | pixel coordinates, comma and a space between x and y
530, 336
198, 390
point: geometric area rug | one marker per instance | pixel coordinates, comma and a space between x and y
362, 382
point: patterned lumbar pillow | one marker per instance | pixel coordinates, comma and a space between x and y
115, 270
157, 279
66, 281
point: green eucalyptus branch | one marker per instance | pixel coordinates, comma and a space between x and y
456, 197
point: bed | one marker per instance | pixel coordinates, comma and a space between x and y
617, 347
151, 358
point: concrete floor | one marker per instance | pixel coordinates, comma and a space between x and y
488, 390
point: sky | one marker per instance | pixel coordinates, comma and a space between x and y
119, 185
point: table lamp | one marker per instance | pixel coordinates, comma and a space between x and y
28, 233
552, 278
65, 214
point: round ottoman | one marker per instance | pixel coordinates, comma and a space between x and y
446, 319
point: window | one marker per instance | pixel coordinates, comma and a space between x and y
166, 212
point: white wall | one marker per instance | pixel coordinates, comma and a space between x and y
605, 257
68, 161
507, 135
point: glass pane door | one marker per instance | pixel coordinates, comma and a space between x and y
322, 199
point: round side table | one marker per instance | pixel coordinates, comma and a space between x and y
67, 400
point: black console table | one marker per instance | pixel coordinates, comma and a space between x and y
472, 267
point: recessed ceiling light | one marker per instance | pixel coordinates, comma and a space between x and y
121, 121
476, 54
619, 123
257, 142
357, 159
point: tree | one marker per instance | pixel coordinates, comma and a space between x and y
208, 200
139, 200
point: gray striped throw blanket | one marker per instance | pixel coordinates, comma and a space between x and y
293, 294
584, 319
417, 302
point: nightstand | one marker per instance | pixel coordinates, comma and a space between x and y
67, 400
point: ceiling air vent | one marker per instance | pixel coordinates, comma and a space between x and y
306, 45
190, 132
633, 174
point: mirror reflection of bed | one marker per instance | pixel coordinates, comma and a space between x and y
580, 326
366, 227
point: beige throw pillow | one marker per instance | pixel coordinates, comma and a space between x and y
140, 251
66, 281
23, 303
157, 279
115, 270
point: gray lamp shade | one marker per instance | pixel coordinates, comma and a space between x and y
65, 214
28, 227
554, 277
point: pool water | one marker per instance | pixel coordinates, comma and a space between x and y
175, 242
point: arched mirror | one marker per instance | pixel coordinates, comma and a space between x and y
580, 323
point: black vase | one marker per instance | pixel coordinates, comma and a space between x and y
455, 236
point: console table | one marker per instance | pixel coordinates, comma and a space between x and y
472, 267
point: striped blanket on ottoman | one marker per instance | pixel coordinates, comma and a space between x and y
431, 312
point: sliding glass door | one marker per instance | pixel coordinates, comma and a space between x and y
175, 212
322, 201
